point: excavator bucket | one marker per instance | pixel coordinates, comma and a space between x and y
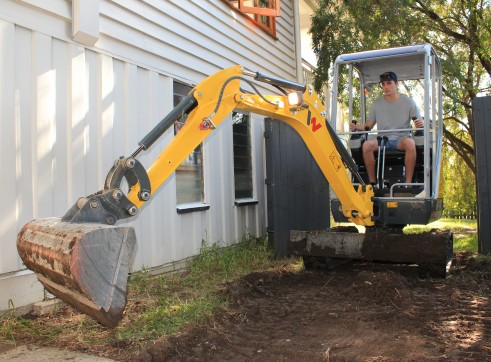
84, 264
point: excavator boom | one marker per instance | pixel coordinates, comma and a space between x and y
84, 259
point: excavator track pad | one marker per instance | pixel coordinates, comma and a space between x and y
84, 264
432, 251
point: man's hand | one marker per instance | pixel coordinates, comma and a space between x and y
352, 127
418, 123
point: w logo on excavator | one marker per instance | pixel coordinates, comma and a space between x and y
313, 121
315, 125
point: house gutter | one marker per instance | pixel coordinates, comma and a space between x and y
298, 44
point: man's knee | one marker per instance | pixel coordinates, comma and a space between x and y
407, 145
369, 146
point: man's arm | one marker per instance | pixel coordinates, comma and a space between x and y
416, 114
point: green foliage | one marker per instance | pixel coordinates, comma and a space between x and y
219, 263
350, 26
459, 187
459, 30
466, 242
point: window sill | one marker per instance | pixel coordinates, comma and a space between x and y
192, 207
246, 202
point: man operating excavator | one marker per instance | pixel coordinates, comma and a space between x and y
390, 112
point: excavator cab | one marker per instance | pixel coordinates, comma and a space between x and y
396, 203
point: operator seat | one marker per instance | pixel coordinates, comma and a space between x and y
394, 160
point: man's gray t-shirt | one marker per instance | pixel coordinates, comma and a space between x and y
394, 115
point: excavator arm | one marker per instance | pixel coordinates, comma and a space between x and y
205, 108
220, 94
83, 259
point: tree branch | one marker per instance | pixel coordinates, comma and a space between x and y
465, 151
422, 8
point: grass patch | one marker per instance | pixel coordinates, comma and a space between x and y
165, 303
464, 232
158, 306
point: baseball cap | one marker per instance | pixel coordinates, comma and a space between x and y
388, 76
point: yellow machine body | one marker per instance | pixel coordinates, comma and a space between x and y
84, 259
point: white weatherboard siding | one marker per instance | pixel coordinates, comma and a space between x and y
67, 111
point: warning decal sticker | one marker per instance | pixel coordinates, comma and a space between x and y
335, 161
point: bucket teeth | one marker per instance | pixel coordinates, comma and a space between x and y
85, 265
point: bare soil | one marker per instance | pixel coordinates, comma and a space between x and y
356, 312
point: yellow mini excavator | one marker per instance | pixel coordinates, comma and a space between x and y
84, 259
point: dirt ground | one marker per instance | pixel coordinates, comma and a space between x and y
357, 312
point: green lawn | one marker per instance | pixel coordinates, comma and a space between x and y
464, 232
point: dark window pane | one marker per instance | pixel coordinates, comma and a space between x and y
189, 174
242, 155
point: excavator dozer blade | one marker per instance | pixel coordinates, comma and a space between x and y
432, 251
86, 265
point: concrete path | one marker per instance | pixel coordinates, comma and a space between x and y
32, 353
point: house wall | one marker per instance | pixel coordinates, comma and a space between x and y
68, 110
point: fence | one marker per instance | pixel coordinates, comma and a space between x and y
308, 72
459, 214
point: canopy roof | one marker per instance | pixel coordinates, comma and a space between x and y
407, 62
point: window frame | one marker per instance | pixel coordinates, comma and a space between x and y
274, 11
257, 12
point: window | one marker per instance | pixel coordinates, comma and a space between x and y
189, 174
262, 12
242, 155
